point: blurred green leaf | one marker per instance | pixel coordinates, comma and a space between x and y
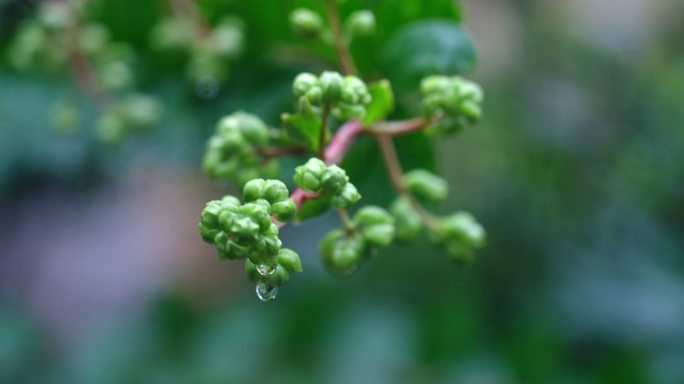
427, 47
382, 103
304, 126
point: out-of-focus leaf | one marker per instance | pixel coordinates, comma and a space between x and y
305, 126
427, 47
382, 104
313, 208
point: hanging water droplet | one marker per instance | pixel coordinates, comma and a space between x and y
266, 292
265, 269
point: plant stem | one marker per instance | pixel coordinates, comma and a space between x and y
341, 47
346, 221
324, 130
270, 153
402, 127
389, 156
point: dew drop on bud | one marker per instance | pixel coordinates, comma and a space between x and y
265, 269
266, 292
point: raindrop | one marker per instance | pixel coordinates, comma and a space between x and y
265, 269
266, 292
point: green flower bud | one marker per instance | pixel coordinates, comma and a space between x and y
314, 95
252, 128
208, 233
303, 83
253, 190
284, 211
376, 225
116, 75
275, 191
332, 84
289, 260
265, 250
434, 84
361, 23
349, 196
279, 277
460, 235
333, 180
258, 214
252, 272
230, 203
210, 214
244, 226
227, 40
426, 185
345, 111
265, 204
306, 22
407, 221
342, 255
308, 176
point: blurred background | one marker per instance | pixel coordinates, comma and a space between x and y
576, 172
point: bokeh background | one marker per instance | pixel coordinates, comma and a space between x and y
577, 173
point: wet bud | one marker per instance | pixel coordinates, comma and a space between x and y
289, 260
284, 211
407, 221
279, 277
361, 23
308, 176
253, 190
251, 271
426, 185
332, 84
376, 225
349, 196
303, 83
333, 180
306, 22
341, 255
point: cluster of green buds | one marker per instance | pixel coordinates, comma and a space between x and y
458, 234
344, 251
309, 24
135, 112
247, 232
232, 153
454, 101
346, 96
331, 183
210, 53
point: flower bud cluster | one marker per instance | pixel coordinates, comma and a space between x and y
347, 96
246, 231
457, 102
459, 235
331, 181
343, 252
232, 152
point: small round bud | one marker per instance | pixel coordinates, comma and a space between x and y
251, 271
361, 23
275, 191
253, 190
290, 260
376, 225
332, 84
244, 226
308, 176
306, 22
426, 185
342, 255
407, 221
279, 277
333, 180
258, 214
252, 128
284, 211
303, 83
349, 196
230, 203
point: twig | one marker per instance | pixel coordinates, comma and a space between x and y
341, 48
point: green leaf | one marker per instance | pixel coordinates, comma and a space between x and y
313, 208
425, 48
306, 127
382, 103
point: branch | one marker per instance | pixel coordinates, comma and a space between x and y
341, 48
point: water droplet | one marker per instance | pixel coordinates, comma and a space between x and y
266, 292
265, 269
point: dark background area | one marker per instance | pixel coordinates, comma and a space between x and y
576, 172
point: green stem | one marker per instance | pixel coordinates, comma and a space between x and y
324, 131
341, 47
